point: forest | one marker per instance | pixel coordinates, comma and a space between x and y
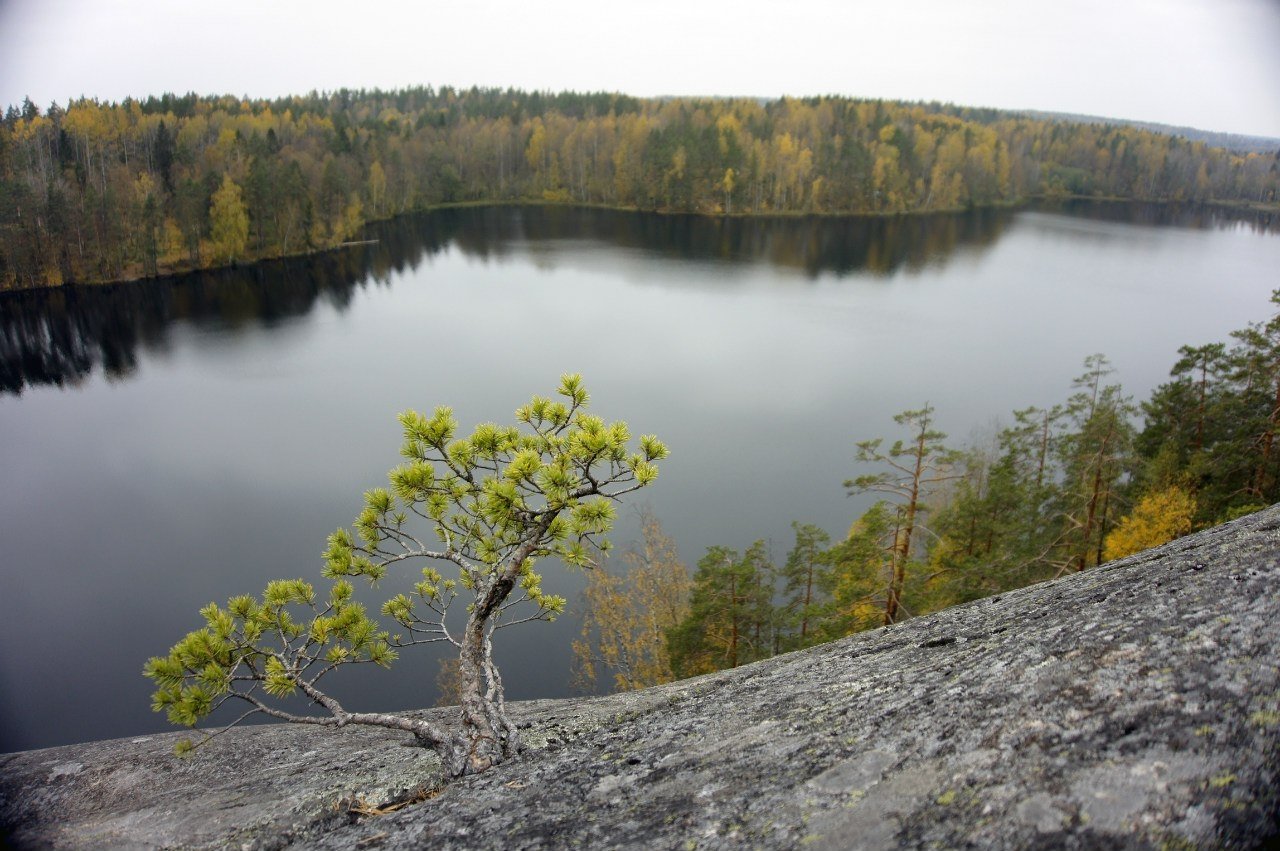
94, 192
1055, 491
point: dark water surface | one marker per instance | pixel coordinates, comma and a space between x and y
164, 444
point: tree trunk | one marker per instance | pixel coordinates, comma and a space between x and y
903, 541
891, 599
489, 737
733, 608
808, 601
1092, 510
1200, 406
1102, 525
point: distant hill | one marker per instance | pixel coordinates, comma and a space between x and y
1231, 141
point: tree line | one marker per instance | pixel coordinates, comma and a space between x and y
95, 191
1059, 490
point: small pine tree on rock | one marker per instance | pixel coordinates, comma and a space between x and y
487, 507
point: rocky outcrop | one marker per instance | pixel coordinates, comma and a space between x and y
1134, 705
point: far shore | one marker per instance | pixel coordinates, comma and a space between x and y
178, 269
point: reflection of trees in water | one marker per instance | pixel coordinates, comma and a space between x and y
1194, 216
58, 336
816, 245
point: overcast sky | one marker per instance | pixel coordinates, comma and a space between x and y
1212, 64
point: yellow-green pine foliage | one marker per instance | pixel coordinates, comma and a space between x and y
273, 641
489, 505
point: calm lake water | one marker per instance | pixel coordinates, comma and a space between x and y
170, 443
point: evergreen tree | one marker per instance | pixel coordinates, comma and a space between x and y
1256, 374
1095, 458
807, 577
492, 504
1213, 427
915, 468
730, 613
862, 572
164, 149
1192, 432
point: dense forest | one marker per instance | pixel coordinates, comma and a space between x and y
96, 191
1237, 142
1057, 491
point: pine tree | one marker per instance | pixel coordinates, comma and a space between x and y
1095, 459
916, 467
164, 151
862, 572
492, 504
807, 586
1213, 427
1256, 364
730, 616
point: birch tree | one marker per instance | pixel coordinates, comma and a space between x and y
228, 222
628, 614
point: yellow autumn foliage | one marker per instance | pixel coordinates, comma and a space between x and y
629, 614
1158, 518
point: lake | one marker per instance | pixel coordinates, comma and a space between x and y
168, 443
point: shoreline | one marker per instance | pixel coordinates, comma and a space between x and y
179, 270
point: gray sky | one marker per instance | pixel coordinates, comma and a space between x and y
1212, 64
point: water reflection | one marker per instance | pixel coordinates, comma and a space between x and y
1195, 216
812, 245
58, 337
